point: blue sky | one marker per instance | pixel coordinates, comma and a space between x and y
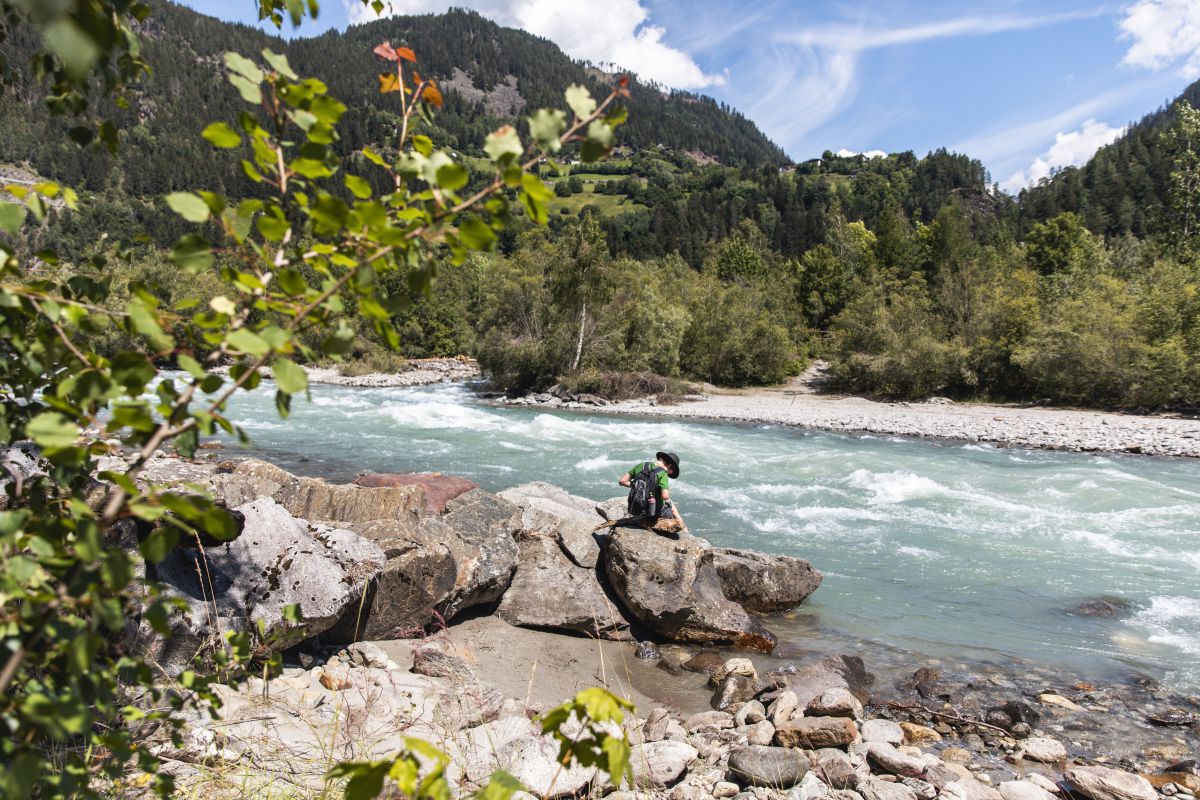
1024, 86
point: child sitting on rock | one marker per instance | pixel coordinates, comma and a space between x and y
650, 491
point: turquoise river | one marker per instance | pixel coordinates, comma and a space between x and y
937, 549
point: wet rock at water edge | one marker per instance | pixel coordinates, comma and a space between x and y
647, 651
1172, 718
776, 767
1104, 607
672, 588
706, 661
765, 584
734, 690
1045, 749
832, 672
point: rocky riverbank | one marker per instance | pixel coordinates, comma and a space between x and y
797, 405
419, 372
486, 609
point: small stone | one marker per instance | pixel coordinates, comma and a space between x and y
956, 755
722, 789
836, 702
836, 768
892, 761
1169, 789
1023, 790
810, 787
924, 790
708, 720
784, 707
874, 788
1044, 749
647, 651
778, 767
1051, 699
708, 661
655, 727
816, 732
1042, 782
657, 765
735, 688
915, 734
761, 732
750, 713
734, 666
882, 730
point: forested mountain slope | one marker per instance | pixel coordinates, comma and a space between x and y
1122, 189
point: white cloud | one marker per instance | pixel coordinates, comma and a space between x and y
615, 32
844, 153
814, 71
1164, 33
1070, 148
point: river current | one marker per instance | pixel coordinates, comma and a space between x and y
936, 549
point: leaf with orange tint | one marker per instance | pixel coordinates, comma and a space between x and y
432, 96
388, 82
385, 51
406, 54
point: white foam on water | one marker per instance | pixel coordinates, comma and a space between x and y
433, 415
598, 463
917, 552
895, 487
520, 448
1172, 621
979, 448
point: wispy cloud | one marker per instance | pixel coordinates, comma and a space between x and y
616, 32
1012, 138
815, 70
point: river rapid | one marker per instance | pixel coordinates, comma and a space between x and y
929, 549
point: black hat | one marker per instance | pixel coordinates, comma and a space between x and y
672, 462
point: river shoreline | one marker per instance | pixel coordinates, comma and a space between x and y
1041, 428
1017, 725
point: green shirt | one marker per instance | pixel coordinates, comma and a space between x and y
663, 482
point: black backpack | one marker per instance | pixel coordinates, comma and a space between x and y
643, 501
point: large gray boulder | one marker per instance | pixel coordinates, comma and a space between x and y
672, 587
765, 584
547, 510
277, 561
550, 591
437, 566
20, 463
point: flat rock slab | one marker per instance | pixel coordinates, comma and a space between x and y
672, 587
439, 489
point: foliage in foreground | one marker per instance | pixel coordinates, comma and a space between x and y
282, 274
